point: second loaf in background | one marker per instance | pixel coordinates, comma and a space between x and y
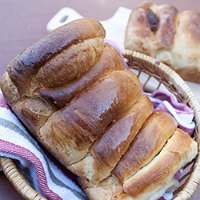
170, 36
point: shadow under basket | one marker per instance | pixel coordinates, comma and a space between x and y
153, 75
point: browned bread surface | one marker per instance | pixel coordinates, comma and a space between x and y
70, 132
109, 61
178, 151
151, 138
73, 92
57, 53
151, 181
170, 36
108, 150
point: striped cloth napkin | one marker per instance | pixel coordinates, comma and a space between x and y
37, 167
163, 100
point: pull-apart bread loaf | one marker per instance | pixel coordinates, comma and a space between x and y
168, 35
74, 93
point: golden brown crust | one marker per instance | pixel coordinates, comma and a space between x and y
71, 63
88, 113
137, 20
109, 61
167, 26
70, 132
179, 150
24, 66
115, 142
154, 179
149, 141
170, 36
108, 150
33, 112
157, 28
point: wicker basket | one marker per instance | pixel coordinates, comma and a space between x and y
148, 69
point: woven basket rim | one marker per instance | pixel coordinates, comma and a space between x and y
17, 180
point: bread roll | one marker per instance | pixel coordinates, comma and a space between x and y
151, 181
155, 132
109, 61
60, 57
70, 132
74, 93
179, 150
108, 150
168, 35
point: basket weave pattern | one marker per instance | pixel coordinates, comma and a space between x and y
164, 77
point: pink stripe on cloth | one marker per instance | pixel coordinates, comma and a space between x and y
166, 101
166, 96
29, 156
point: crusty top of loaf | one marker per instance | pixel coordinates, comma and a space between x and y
157, 129
109, 61
72, 49
107, 152
151, 181
179, 150
87, 117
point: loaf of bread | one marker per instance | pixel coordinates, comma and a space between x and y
151, 181
74, 93
168, 35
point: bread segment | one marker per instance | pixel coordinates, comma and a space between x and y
70, 132
26, 65
33, 112
151, 181
109, 61
147, 182
108, 150
152, 137
71, 63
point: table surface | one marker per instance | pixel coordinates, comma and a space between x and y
23, 22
